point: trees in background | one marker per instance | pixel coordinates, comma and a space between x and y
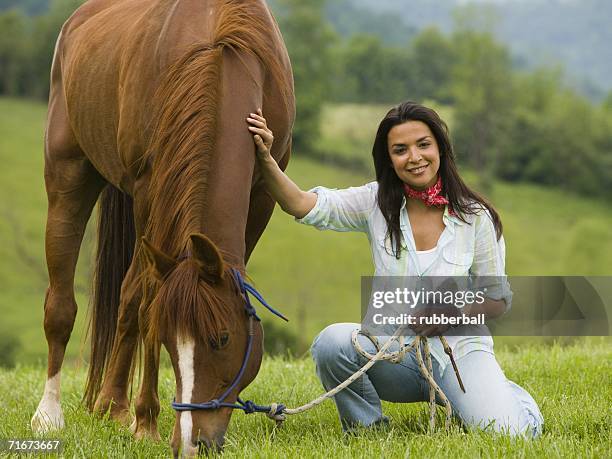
433, 57
26, 48
305, 29
481, 89
369, 71
12, 70
363, 66
557, 138
28, 6
508, 123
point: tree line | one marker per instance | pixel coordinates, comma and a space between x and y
508, 123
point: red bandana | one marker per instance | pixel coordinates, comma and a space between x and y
430, 197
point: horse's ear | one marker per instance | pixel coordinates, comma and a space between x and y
161, 263
208, 257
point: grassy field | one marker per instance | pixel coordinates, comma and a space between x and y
571, 386
311, 276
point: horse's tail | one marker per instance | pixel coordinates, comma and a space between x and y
116, 239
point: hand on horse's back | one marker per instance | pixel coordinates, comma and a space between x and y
291, 198
262, 135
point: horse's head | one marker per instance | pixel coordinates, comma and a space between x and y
199, 315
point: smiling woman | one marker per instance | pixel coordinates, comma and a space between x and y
414, 154
421, 219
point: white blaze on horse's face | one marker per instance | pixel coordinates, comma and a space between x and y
185, 348
49, 414
199, 315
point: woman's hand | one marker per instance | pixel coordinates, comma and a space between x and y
262, 135
433, 329
291, 198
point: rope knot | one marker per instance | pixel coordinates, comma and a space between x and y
249, 407
276, 412
251, 311
215, 404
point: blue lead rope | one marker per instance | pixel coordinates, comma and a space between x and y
247, 288
248, 407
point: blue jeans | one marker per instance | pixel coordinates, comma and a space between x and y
491, 401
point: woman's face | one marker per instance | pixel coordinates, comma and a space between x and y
414, 154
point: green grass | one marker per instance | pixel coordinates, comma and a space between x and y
23, 211
571, 385
312, 276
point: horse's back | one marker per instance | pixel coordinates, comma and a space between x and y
99, 53
113, 55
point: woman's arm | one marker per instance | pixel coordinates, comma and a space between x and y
489, 269
492, 309
289, 196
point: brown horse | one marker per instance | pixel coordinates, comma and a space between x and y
147, 112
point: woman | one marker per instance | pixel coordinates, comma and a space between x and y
421, 219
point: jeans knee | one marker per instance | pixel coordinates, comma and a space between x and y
529, 424
513, 412
534, 425
332, 342
531, 419
531, 428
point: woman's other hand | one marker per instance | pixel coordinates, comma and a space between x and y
424, 329
262, 135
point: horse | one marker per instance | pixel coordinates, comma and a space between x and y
147, 116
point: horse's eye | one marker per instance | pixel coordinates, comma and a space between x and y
221, 343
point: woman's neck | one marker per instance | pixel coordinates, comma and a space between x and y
415, 206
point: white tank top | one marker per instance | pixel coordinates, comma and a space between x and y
427, 257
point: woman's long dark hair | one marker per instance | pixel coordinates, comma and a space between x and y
461, 198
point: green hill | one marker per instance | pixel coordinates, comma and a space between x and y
313, 277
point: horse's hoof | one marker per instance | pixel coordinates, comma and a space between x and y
146, 434
189, 451
133, 426
101, 406
48, 417
121, 415
119, 412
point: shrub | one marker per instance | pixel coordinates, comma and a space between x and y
9, 346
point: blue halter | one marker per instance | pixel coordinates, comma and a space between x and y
247, 406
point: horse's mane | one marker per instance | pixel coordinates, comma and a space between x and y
185, 128
180, 150
186, 304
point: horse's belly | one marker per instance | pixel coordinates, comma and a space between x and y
108, 71
112, 63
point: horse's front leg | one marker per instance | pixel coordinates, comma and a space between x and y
73, 186
113, 395
147, 403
